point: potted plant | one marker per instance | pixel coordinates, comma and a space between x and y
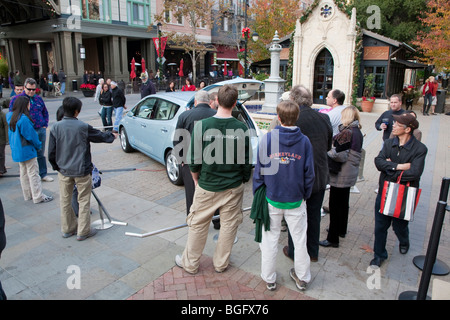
88, 89
368, 98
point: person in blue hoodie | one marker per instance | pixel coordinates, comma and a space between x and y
24, 142
285, 165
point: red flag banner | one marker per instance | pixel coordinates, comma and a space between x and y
163, 45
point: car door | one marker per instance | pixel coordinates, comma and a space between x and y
141, 130
162, 127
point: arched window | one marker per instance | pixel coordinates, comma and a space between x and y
323, 76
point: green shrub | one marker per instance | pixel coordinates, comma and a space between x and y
4, 68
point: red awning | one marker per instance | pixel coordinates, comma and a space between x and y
227, 53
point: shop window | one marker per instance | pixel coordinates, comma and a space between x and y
380, 79
98, 10
138, 12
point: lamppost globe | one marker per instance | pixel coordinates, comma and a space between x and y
255, 36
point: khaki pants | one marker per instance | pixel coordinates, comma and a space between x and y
69, 222
30, 180
203, 208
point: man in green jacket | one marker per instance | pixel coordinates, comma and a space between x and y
220, 162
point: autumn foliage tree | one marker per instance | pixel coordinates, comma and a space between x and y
196, 13
434, 39
268, 16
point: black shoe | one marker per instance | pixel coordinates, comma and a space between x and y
326, 243
376, 262
342, 235
403, 248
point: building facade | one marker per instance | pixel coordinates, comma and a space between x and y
80, 36
325, 48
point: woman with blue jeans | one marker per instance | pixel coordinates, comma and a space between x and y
105, 100
118, 102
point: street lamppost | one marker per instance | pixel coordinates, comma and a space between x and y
245, 33
159, 25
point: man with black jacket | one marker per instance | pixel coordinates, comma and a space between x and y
386, 120
186, 121
118, 98
317, 127
2, 243
147, 86
69, 153
403, 153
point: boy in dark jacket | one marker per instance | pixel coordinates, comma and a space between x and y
285, 166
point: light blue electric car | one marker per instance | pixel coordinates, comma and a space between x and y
150, 125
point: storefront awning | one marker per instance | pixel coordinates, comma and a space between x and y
410, 64
227, 53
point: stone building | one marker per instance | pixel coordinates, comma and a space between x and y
38, 37
327, 41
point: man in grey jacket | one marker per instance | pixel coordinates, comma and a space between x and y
69, 153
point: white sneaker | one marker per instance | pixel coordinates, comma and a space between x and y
45, 199
301, 285
178, 261
47, 179
271, 286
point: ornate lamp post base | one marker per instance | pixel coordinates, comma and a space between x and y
274, 86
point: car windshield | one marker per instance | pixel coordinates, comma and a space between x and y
246, 89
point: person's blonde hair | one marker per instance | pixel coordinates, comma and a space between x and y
349, 115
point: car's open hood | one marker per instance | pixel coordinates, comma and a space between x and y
246, 87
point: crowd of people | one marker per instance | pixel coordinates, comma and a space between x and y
303, 153
111, 98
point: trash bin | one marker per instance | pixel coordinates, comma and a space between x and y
440, 101
74, 86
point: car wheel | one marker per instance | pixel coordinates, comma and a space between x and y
173, 169
124, 143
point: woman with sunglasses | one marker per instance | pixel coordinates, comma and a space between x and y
24, 142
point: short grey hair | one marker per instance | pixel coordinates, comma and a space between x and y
202, 96
301, 96
30, 81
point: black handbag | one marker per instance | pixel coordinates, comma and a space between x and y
333, 166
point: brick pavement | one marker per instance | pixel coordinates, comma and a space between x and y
234, 284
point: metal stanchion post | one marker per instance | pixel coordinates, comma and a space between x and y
433, 244
152, 233
439, 267
103, 224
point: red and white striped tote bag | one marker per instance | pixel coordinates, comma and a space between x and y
399, 200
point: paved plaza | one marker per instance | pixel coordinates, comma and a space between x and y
38, 264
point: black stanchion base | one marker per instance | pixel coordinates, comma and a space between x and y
439, 267
410, 295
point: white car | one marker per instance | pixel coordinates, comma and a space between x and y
150, 125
